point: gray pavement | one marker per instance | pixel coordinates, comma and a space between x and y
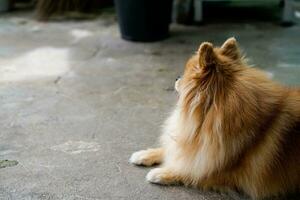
76, 101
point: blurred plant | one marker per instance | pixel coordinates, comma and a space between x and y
47, 8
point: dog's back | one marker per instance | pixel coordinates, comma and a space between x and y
272, 165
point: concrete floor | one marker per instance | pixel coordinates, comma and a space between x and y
76, 101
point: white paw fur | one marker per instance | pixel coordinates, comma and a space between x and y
138, 158
155, 176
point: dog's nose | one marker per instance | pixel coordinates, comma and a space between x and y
178, 77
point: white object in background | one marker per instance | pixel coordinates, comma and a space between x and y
4, 5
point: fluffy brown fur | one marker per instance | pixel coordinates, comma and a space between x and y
232, 128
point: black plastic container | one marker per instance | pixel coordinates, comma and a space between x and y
144, 20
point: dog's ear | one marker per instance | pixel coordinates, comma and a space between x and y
207, 56
230, 48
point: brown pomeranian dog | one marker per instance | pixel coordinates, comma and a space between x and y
232, 128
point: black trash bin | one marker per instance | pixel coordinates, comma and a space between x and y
144, 20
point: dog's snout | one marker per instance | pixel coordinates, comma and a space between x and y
178, 77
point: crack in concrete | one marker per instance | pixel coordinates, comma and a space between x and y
93, 54
57, 80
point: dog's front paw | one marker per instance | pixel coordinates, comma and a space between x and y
155, 176
146, 157
140, 158
161, 176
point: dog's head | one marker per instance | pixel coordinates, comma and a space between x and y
209, 73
